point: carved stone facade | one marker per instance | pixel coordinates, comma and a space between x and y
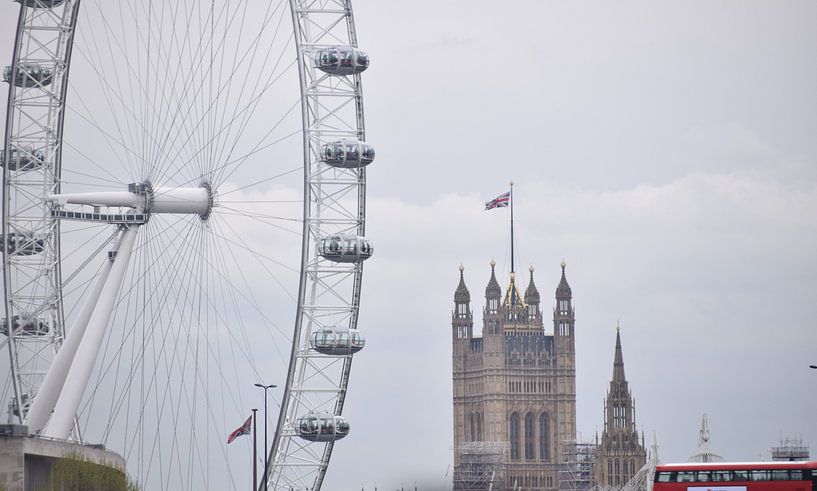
619, 455
514, 388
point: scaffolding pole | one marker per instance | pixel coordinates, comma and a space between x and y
578, 464
481, 466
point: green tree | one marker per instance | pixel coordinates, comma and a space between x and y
76, 473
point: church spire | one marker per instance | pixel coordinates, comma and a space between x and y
618, 361
620, 410
620, 453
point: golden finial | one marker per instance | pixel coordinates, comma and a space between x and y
618, 326
511, 183
462, 268
493, 263
531, 268
563, 263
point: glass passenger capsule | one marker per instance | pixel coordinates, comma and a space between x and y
41, 3
29, 75
337, 341
345, 248
27, 326
21, 244
25, 159
321, 426
341, 60
349, 154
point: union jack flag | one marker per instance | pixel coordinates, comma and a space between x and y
244, 429
500, 201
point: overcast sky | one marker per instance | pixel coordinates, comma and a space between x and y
665, 150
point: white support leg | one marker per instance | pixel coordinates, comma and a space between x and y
62, 420
54, 381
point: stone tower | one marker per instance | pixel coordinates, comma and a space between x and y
514, 387
620, 454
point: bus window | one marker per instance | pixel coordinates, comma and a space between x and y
796, 475
703, 476
759, 475
780, 475
664, 477
721, 476
686, 476
741, 475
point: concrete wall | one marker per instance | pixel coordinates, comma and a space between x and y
26, 461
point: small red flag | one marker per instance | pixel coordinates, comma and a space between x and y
244, 429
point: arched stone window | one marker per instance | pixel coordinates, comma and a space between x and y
544, 436
529, 432
514, 432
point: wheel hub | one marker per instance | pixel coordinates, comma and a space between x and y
142, 198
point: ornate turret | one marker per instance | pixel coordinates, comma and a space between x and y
462, 295
563, 314
533, 301
563, 290
491, 314
531, 293
492, 292
462, 319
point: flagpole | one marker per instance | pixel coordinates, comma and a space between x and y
266, 448
512, 265
254, 452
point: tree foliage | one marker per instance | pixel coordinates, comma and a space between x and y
77, 473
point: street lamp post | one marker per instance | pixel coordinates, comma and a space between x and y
254, 451
266, 449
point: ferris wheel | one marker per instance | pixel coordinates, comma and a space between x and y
182, 217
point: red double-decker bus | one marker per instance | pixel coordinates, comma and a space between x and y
737, 476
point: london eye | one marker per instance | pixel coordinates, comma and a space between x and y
183, 216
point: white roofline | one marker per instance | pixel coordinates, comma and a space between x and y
722, 464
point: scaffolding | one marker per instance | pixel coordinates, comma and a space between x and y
790, 449
481, 466
577, 472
